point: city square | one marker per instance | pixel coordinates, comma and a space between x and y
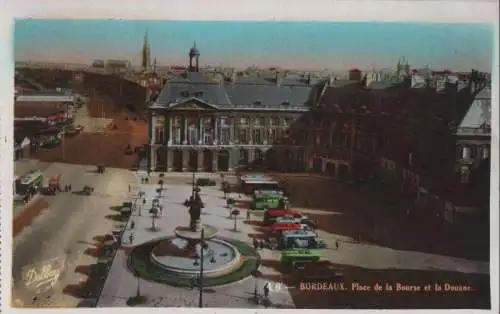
180, 177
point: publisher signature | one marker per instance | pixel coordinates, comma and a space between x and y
43, 278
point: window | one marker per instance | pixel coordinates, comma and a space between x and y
485, 153
258, 136
243, 136
198, 94
466, 153
176, 131
185, 94
176, 136
271, 136
192, 135
464, 175
224, 132
160, 135
224, 136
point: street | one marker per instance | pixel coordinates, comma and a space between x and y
46, 253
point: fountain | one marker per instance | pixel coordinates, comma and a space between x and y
181, 254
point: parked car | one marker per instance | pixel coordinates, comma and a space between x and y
205, 182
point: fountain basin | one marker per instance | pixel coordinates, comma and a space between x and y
170, 255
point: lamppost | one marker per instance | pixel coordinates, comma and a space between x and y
202, 260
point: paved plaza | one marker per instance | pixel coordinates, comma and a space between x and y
121, 284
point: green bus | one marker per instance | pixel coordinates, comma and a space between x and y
32, 180
296, 259
263, 199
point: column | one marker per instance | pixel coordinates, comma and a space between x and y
152, 163
185, 131
185, 160
251, 155
215, 124
153, 129
166, 129
170, 158
251, 121
232, 127
200, 130
233, 158
215, 156
170, 133
266, 130
200, 160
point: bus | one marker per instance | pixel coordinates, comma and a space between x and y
296, 259
32, 180
283, 215
300, 239
263, 199
250, 183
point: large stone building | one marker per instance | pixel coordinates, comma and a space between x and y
216, 122
429, 143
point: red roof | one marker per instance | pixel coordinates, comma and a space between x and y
354, 70
285, 226
40, 109
283, 212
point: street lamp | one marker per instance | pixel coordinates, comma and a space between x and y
202, 259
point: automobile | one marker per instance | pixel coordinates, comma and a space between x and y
205, 182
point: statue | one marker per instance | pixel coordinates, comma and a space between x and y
195, 205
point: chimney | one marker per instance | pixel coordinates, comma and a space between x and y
309, 79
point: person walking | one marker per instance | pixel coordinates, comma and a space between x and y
248, 215
337, 244
131, 238
255, 244
266, 291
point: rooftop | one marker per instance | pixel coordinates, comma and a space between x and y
40, 109
242, 92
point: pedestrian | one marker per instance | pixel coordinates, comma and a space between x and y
132, 224
248, 214
337, 244
266, 291
256, 293
131, 238
69, 187
66, 189
261, 245
161, 210
129, 188
144, 201
255, 244
146, 180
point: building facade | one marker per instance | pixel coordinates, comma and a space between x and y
217, 122
429, 146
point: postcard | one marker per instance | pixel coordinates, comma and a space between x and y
252, 164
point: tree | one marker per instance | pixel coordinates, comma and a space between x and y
235, 213
154, 215
230, 203
225, 188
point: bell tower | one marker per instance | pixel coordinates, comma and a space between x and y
146, 53
194, 59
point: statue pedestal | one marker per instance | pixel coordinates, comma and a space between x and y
195, 225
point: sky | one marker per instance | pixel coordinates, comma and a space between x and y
297, 45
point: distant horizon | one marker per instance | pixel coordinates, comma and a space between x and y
313, 46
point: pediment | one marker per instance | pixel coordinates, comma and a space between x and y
193, 104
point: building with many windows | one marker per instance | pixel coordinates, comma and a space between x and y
215, 122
